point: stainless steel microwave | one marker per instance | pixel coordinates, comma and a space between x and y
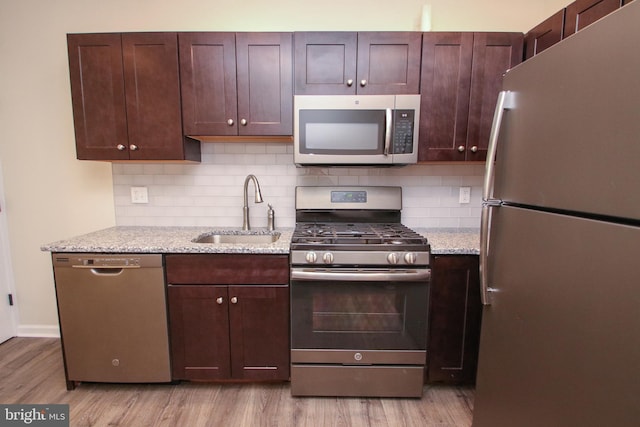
343, 130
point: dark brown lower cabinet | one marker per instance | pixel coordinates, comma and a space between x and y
229, 316
455, 314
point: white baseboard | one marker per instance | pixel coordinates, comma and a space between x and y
40, 331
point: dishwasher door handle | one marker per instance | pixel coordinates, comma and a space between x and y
106, 271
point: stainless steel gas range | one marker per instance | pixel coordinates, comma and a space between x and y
359, 295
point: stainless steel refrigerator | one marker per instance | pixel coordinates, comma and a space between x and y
560, 251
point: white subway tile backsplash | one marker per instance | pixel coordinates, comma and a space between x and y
211, 193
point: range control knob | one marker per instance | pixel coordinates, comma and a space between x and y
327, 258
311, 257
410, 258
392, 258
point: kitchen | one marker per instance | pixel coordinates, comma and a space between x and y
88, 188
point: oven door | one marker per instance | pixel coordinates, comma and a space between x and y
353, 316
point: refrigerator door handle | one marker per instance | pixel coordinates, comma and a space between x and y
505, 102
485, 221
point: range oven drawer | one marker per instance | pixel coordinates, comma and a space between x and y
360, 357
373, 381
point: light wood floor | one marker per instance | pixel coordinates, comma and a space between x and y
31, 372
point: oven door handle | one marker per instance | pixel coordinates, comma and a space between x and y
361, 275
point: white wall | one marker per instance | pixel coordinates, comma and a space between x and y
50, 195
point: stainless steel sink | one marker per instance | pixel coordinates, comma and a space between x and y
237, 238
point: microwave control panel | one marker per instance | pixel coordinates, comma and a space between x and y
403, 122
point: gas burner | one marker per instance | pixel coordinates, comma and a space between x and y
331, 231
352, 236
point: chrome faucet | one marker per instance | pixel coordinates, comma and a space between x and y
245, 208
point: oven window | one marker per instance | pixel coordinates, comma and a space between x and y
359, 315
373, 312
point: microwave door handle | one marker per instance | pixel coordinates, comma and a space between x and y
387, 131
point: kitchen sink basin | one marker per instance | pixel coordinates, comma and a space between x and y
237, 238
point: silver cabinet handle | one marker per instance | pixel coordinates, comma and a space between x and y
474, 149
230, 122
387, 131
461, 148
219, 300
350, 82
505, 102
243, 122
121, 147
133, 147
363, 82
234, 300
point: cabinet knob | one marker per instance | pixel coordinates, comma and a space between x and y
121, 147
243, 122
133, 147
474, 149
363, 82
461, 148
350, 82
234, 300
219, 300
230, 122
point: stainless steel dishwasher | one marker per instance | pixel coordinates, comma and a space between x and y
113, 317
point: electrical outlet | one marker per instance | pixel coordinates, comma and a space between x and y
465, 195
139, 195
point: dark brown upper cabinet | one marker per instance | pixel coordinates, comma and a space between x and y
349, 63
461, 78
581, 13
236, 83
125, 92
544, 35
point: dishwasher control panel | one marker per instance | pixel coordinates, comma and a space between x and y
107, 260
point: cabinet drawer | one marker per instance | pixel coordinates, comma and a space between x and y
227, 269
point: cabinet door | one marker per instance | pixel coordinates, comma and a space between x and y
97, 92
325, 63
199, 326
208, 83
493, 55
259, 332
388, 63
444, 89
581, 13
265, 83
455, 314
544, 35
153, 96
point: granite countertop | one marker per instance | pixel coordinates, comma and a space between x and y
131, 239
452, 241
